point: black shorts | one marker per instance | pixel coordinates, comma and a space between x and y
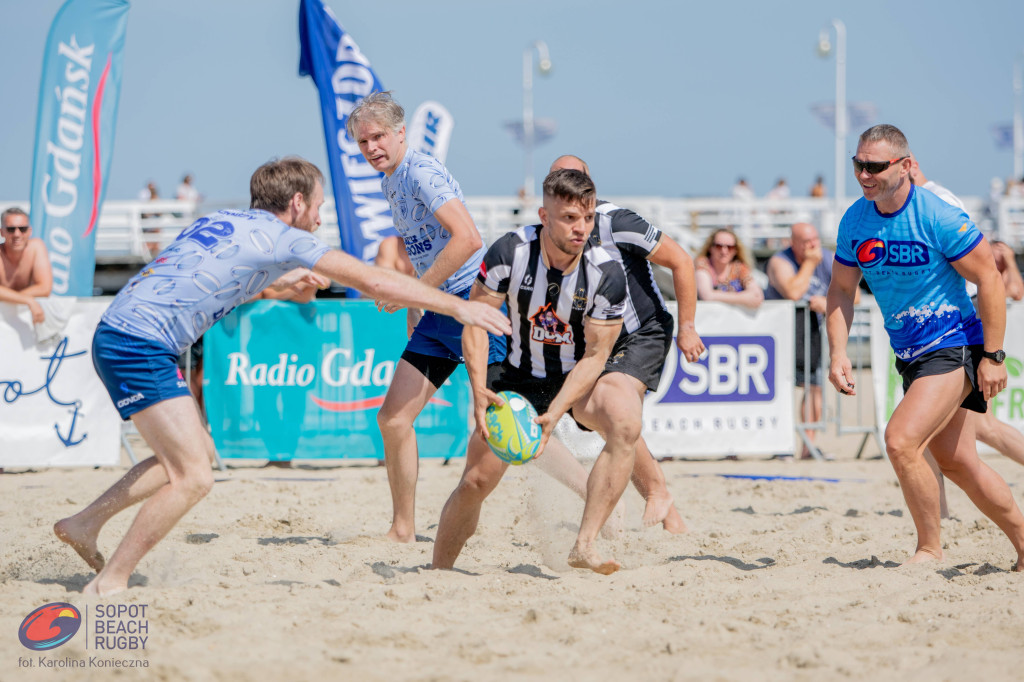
642, 354
944, 361
814, 326
540, 392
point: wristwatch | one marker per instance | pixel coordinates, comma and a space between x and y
995, 356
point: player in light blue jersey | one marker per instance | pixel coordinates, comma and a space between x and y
217, 263
915, 251
446, 251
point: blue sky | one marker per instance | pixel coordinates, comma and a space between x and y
661, 98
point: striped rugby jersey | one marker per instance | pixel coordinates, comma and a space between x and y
631, 240
548, 307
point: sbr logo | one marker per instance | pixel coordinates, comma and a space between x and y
735, 369
49, 626
896, 253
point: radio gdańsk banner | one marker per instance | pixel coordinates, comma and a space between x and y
54, 410
285, 381
343, 77
738, 398
74, 142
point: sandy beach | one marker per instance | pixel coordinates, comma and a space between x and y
280, 574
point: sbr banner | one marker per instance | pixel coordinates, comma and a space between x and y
74, 143
54, 411
738, 399
286, 381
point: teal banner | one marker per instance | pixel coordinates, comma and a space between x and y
284, 381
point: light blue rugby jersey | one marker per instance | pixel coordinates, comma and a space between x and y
906, 259
418, 187
219, 262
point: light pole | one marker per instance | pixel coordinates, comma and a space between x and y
1018, 119
825, 49
529, 131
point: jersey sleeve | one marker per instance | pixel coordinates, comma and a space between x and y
433, 184
633, 234
496, 267
609, 301
844, 245
956, 235
299, 248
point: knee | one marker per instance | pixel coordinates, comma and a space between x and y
624, 434
197, 483
477, 485
390, 420
899, 447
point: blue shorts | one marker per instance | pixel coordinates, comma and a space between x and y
137, 372
435, 347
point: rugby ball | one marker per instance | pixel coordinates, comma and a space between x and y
512, 434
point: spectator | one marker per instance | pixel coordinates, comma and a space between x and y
25, 273
741, 190
779, 192
150, 193
187, 191
723, 271
818, 189
802, 272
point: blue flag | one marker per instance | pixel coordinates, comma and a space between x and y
75, 135
343, 78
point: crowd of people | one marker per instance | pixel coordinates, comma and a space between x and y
603, 346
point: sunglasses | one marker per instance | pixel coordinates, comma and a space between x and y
723, 246
11, 228
874, 167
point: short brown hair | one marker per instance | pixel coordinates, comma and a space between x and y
273, 185
884, 132
570, 185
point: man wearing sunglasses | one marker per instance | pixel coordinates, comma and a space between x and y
25, 273
916, 251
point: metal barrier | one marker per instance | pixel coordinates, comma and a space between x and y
832, 407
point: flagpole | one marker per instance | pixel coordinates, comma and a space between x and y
1018, 119
529, 129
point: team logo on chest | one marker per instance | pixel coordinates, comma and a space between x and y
548, 328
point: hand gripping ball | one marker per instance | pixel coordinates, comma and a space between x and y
512, 434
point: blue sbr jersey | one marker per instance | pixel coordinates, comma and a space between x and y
419, 187
219, 262
906, 259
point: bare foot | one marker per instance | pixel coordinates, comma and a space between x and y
660, 509
1019, 566
587, 557
95, 589
923, 555
81, 539
403, 538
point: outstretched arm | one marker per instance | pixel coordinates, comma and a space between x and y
388, 285
670, 255
474, 350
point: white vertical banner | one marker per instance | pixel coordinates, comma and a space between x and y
1007, 407
430, 130
54, 410
738, 399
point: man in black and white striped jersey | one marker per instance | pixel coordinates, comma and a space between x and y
647, 326
565, 298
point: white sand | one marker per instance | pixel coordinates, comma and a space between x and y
281, 575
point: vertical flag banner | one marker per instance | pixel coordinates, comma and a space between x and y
430, 130
343, 77
74, 142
